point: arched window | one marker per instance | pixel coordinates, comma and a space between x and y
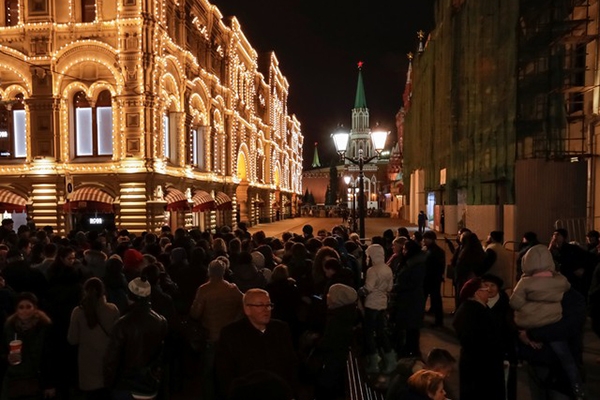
197, 150
11, 12
13, 132
166, 134
88, 10
93, 125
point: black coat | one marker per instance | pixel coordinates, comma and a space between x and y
136, 342
435, 264
481, 362
504, 316
242, 349
408, 296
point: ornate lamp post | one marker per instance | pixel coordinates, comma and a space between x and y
352, 192
340, 139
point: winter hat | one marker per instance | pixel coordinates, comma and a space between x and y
538, 258
132, 259
340, 295
494, 279
258, 259
139, 287
470, 288
376, 253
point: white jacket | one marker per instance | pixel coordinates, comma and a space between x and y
379, 280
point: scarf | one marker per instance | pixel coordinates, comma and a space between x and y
493, 300
24, 325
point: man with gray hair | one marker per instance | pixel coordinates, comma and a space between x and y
217, 304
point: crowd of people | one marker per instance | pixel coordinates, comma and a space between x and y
114, 315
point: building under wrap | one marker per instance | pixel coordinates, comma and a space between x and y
500, 123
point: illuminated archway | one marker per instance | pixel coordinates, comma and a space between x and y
242, 166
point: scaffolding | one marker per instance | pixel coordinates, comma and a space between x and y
499, 82
554, 79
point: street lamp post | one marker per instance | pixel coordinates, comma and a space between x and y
340, 139
352, 191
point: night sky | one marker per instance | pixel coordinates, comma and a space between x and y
319, 43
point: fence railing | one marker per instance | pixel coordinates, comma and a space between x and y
358, 387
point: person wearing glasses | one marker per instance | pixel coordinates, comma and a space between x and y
255, 343
481, 364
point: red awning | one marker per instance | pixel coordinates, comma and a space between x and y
176, 200
11, 202
222, 201
202, 201
90, 199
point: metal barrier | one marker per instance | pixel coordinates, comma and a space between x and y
358, 387
577, 228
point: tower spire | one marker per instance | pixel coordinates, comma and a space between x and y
316, 163
361, 100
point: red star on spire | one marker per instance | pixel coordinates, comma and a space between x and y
360, 64
316, 143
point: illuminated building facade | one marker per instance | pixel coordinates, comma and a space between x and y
146, 112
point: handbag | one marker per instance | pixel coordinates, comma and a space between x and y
23, 387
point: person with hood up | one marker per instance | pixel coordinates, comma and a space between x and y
378, 284
537, 303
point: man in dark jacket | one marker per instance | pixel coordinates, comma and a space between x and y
435, 263
255, 343
132, 364
572, 261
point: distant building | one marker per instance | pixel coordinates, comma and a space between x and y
317, 180
141, 114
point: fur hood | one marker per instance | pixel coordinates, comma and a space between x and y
43, 319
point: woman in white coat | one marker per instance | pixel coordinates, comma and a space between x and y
91, 324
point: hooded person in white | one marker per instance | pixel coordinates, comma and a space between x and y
379, 280
378, 284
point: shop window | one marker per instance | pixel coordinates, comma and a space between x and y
198, 147
88, 10
166, 135
93, 125
13, 129
11, 12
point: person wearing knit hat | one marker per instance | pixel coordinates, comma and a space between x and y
139, 287
481, 367
136, 342
470, 289
340, 295
494, 279
332, 349
132, 263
